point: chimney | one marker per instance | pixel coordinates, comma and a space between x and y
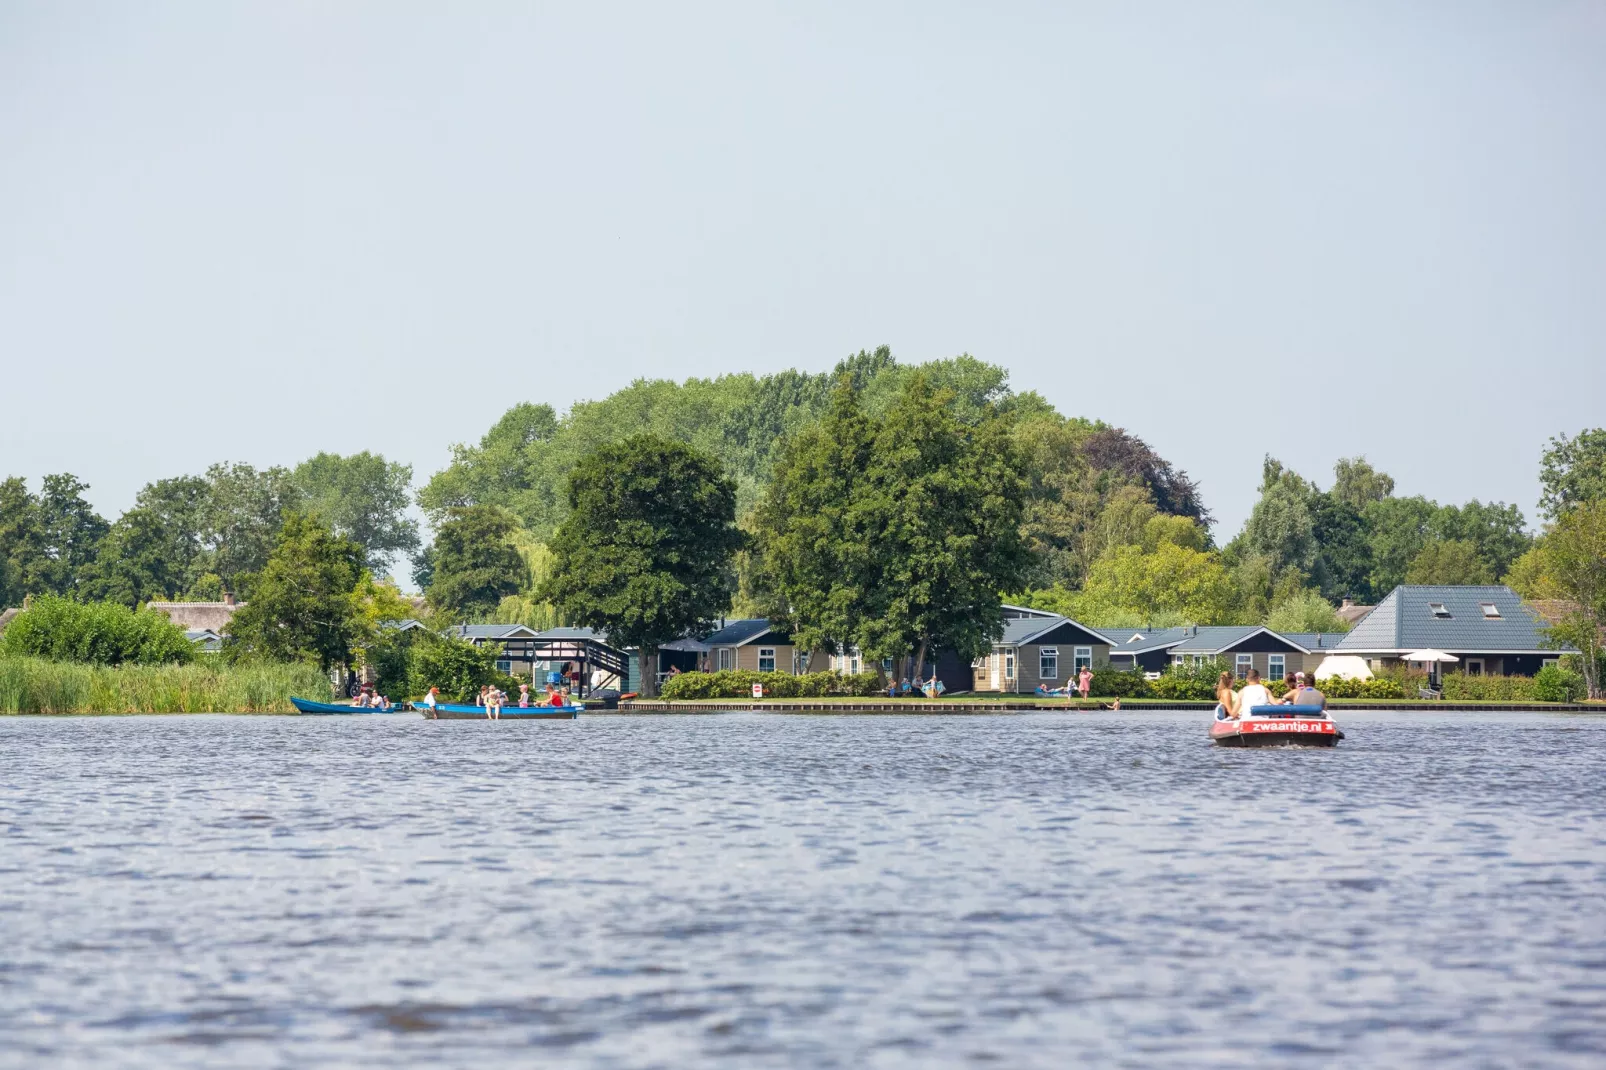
1346, 603
228, 599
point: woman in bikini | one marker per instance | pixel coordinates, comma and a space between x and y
1226, 698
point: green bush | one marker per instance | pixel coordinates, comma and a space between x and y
1110, 682
96, 633
1187, 683
1467, 688
738, 683
457, 667
1556, 684
1378, 687
35, 685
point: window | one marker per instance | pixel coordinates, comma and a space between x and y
1547, 662
1009, 664
727, 658
1084, 658
1275, 667
1048, 663
1490, 610
1199, 660
1474, 666
853, 665
886, 664
504, 665
1439, 610
1242, 669
1176, 659
766, 659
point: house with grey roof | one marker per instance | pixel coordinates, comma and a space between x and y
758, 645
1241, 646
1488, 628
204, 639
1038, 648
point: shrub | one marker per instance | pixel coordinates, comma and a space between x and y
1377, 687
738, 683
1187, 683
1110, 682
1467, 688
457, 667
1556, 684
99, 633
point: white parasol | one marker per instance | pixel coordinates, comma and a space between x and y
1343, 666
1430, 656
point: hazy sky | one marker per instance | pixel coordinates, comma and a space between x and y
253, 232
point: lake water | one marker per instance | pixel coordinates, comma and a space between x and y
760, 890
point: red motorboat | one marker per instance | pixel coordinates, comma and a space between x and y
1276, 726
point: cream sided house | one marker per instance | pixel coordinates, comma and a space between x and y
758, 646
1038, 647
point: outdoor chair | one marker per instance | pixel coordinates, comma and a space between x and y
1428, 692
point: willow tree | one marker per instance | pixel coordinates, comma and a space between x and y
646, 551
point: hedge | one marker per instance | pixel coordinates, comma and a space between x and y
738, 683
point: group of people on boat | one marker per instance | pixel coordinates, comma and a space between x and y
493, 699
369, 698
1232, 705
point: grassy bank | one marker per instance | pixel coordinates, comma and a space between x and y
32, 685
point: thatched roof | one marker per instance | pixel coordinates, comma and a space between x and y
213, 616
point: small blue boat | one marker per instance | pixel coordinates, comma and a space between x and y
303, 705
453, 712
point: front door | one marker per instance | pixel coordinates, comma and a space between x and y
995, 662
1474, 666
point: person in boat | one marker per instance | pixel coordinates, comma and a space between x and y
493, 703
1084, 681
554, 697
1254, 694
1306, 694
1226, 698
524, 696
429, 699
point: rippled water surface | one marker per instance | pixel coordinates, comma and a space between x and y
759, 890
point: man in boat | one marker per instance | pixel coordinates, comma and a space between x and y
429, 699
1305, 693
1254, 694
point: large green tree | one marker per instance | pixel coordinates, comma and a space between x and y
137, 562
1449, 561
1357, 484
22, 543
473, 563
244, 511
1572, 471
306, 602
646, 551
365, 498
896, 535
1574, 553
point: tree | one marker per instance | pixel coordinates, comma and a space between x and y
242, 517
1344, 562
306, 601
365, 498
474, 563
1572, 471
1575, 568
1399, 528
1357, 484
22, 544
1306, 611
1527, 576
177, 508
1449, 561
646, 551
941, 503
1497, 530
1172, 585
71, 531
457, 667
136, 562
1280, 527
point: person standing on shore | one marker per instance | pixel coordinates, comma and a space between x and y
1084, 681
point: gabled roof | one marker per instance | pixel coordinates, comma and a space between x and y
1406, 621
1315, 642
573, 633
407, 625
1024, 630
1144, 640
1217, 638
742, 632
1013, 612
493, 631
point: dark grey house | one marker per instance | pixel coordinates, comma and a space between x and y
1488, 628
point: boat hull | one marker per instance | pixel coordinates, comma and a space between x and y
323, 709
1277, 726
445, 712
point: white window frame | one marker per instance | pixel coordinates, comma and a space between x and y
1242, 665
1009, 664
1490, 611
1082, 658
504, 665
1048, 663
853, 665
1480, 663
727, 658
766, 653
1176, 659
1199, 660
1549, 661
1276, 666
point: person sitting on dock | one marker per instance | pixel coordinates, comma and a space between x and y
1226, 698
1254, 694
1305, 693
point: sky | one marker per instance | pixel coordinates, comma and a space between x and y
253, 232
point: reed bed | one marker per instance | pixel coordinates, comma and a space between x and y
33, 685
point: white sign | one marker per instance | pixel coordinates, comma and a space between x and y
758, 690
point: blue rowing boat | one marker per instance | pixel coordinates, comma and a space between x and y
452, 712
304, 705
